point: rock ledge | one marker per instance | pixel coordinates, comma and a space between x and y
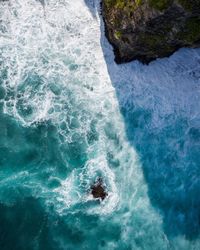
150, 29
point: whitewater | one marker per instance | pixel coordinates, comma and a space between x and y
69, 114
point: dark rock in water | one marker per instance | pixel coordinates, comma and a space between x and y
149, 29
98, 190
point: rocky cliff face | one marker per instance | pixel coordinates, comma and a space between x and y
148, 29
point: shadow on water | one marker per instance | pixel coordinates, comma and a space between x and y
160, 104
92, 6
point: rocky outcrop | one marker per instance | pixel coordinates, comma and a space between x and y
98, 190
149, 29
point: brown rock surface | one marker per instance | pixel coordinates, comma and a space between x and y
98, 190
149, 29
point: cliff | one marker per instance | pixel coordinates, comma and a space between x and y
149, 29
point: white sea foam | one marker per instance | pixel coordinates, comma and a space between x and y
60, 44
65, 57
76, 188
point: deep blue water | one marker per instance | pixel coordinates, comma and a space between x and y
69, 114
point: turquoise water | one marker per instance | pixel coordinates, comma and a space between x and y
69, 114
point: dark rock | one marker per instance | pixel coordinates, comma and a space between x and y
149, 29
98, 190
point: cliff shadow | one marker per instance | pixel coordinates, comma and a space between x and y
93, 6
160, 105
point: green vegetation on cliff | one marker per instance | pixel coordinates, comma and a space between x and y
148, 29
190, 4
191, 31
160, 4
121, 4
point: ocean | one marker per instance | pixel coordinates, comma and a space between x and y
70, 115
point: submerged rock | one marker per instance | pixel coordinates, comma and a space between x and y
98, 190
148, 29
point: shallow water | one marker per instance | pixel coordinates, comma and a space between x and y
69, 114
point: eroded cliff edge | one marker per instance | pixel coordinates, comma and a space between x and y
150, 29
